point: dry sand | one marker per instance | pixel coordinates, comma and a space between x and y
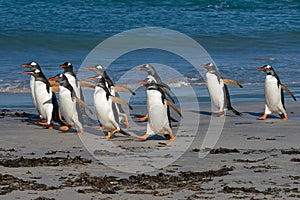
262, 160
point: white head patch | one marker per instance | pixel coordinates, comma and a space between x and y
33, 63
99, 67
268, 66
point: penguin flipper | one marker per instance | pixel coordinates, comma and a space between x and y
120, 101
232, 82
87, 84
119, 88
174, 107
288, 91
79, 101
167, 93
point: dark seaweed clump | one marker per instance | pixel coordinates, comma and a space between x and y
9, 183
44, 161
222, 150
290, 152
110, 185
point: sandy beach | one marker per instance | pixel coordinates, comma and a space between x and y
251, 160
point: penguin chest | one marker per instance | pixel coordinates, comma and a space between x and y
215, 88
67, 105
43, 98
73, 82
104, 109
32, 89
272, 93
157, 111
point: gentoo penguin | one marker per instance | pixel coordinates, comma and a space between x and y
103, 103
44, 97
113, 89
71, 76
153, 75
33, 66
218, 90
158, 111
68, 100
74, 82
274, 98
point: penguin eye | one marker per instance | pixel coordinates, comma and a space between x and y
60, 75
33, 63
69, 64
210, 64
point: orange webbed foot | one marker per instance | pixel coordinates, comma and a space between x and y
263, 117
80, 132
143, 118
172, 137
284, 117
144, 137
64, 128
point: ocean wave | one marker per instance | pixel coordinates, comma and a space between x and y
172, 83
13, 89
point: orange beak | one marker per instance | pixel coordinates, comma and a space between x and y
142, 82
140, 68
92, 78
204, 66
89, 68
25, 65
52, 79
28, 72
261, 69
63, 66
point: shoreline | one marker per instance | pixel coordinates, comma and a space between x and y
263, 158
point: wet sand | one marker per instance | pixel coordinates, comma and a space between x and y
252, 159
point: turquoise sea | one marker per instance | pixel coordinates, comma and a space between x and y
239, 36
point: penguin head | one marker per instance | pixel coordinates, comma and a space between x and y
98, 69
100, 80
61, 79
67, 66
32, 65
209, 67
148, 68
34, 73
268, 69
147, 81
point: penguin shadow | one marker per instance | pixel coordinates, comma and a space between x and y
153, 137
204, 113
31, 119
207, 113
260, 114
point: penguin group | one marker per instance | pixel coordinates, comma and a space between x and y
219, 94
71, 109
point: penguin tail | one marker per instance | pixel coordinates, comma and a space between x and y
235, 111
124, 133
